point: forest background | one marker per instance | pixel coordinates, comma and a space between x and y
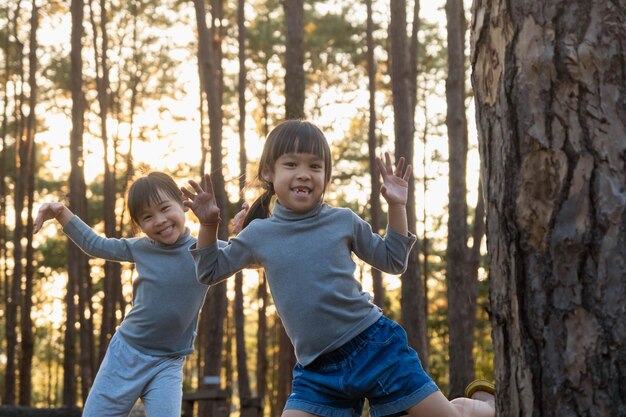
94, 94
145, 110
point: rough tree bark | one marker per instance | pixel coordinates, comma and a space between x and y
550, 85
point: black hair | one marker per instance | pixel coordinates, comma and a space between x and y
146, 191
290, 136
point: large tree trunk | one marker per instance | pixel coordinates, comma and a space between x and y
549, 79
412, 299
461, 287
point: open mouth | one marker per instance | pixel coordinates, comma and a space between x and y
167, 230
301, 190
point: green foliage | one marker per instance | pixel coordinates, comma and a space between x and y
58, 71
52, 253
331, 40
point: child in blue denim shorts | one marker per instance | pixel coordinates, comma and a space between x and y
145, 356
347, 350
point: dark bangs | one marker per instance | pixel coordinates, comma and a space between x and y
146, 191
295, 136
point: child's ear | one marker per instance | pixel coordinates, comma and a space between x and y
268, 175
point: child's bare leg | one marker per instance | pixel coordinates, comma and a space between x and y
296, 413
473, 407
437, 405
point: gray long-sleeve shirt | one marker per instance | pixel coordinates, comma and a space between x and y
166, 293
309, 266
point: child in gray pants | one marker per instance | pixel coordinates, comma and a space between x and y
145, 357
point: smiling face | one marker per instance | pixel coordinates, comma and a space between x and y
163, 219
299, 180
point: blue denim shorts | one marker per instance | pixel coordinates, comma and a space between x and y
377, 364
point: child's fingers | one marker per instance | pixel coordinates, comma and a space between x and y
37, 225
381, 166
407, 173
208, 186
197, 187
186, 193
399, 167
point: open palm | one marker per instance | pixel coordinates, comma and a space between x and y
202, 202
395, 188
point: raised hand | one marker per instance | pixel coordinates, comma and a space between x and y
395, 188
239, 218
202, 202
47, 211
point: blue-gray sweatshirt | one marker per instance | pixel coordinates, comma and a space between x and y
166, 293
309, 266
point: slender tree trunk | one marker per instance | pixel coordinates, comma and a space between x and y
4, 175
210, 59
13, 286
549, 82
412, 299
462, 291
112, 270
77, 261
261, 369
414, 57
294, 109
425, 244
26, 359
375, 209
285, 367
294, 59
249, 405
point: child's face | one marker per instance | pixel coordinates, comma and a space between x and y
163, 222
298, 180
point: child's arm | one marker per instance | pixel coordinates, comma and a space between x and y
205, 208
395, 190
48, 211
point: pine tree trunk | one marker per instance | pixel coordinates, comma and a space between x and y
112, 270
412, 298
12, 293
27, 351
549, 79
262, 361
4, 175
294, 109
372, 146
210, 61
77, 261
294, 59
462, 290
